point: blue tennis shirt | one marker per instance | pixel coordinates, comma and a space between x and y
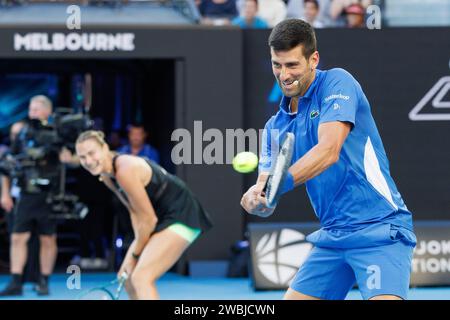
358, 190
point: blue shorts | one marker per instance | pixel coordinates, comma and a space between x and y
330, 273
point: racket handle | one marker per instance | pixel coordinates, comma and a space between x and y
122, 279
123, 276
266, 183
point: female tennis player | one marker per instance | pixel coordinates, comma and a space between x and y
165, 215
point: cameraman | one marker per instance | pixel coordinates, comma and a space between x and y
31, 212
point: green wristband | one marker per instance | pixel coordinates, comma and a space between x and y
134, 255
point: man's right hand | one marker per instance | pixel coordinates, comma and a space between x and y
7, 203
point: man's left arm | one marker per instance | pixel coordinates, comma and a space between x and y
331, 137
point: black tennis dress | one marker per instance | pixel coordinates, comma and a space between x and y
172, 200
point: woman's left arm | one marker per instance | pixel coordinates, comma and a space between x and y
141, 210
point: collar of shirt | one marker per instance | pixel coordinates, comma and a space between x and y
285, 101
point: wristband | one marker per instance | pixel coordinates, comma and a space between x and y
288, 184
134, 255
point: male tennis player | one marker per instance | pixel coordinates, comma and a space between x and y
367, 234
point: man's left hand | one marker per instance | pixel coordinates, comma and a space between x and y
254, 202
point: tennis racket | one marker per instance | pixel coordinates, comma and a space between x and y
279, 170
105, 292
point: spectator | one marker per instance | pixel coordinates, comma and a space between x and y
249, 18
272, 11
217, 12
137, 136
311, 12
338, 7
355, 15
295, 9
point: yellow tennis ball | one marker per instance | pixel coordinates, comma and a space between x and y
245, 162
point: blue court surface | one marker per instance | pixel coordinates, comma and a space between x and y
177, 287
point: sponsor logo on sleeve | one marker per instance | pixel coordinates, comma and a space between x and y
337, 96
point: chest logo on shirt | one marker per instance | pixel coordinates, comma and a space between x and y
314, 114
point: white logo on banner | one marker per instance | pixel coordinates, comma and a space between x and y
436, 96
58, 41
279, 254
431, 256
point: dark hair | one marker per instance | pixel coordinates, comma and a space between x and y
314, 2
290, 33
137, 125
